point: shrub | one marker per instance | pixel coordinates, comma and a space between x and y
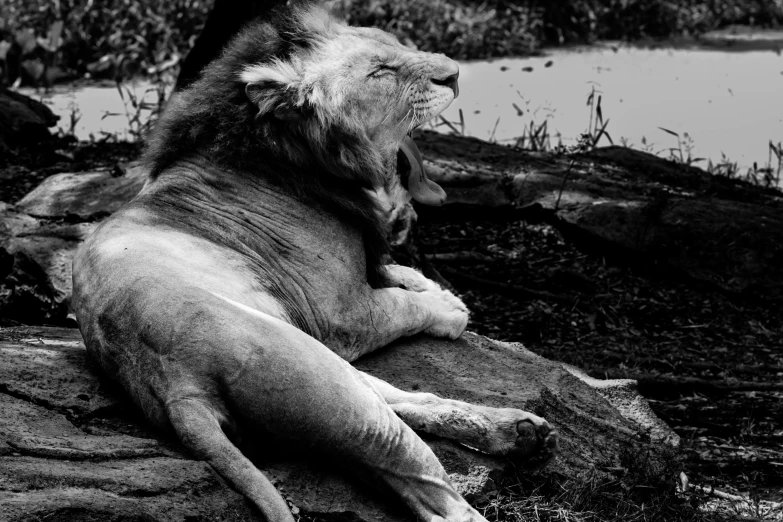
130, 35
125, 37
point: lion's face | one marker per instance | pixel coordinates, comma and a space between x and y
382, 85
359, 79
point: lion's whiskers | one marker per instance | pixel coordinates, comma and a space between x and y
402, 120
414, 120
388, 115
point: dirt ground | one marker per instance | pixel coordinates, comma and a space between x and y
711, 365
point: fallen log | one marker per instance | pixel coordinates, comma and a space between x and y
661, 386
623, 204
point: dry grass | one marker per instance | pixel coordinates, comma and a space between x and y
537, 137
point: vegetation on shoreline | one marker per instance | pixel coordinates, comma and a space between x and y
121, 38
537, 137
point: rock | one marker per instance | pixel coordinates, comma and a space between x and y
84, 195
73, 447
23, 121
622, 203
33, 430
49, 367
35, 266
150, 489
14, 223
39, 237
27, 294
590, 414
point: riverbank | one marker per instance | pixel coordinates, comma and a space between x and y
707, 104
701, 105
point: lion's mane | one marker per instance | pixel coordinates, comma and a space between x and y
299, 148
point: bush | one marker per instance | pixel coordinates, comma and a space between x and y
129, 35
124, 37
457, 29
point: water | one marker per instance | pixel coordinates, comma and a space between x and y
95, 111
727, 102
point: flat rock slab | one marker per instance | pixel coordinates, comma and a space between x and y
72, 446
596, 419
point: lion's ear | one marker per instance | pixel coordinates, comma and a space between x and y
273, 89
272, 99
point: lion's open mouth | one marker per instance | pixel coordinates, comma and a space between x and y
410, 167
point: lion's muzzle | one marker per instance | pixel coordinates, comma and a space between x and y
449, 79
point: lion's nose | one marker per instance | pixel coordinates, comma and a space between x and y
449, 79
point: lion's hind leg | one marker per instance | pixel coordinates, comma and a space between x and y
298, 390
497, 431
198, 427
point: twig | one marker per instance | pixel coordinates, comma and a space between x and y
734, 498
694, 365
650, 384
740, 368
460, 257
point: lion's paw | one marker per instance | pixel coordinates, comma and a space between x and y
449, 326
449, 314
519, 434
410, 279
536, 441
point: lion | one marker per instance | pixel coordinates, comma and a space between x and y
230, 296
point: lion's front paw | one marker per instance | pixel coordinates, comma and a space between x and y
409, 279
449, 314
519, 434
536, 441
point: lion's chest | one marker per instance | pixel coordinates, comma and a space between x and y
314, 265
308, 261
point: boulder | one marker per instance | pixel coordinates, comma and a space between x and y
23, 121
73, 447
39, 237
84, 196
35, 266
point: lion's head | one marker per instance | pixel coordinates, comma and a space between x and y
316, 106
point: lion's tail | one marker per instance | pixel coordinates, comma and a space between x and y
199, 429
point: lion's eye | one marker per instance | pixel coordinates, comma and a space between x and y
382, 70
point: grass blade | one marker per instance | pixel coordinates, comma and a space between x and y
670, 132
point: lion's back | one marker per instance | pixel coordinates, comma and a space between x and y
133, 276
